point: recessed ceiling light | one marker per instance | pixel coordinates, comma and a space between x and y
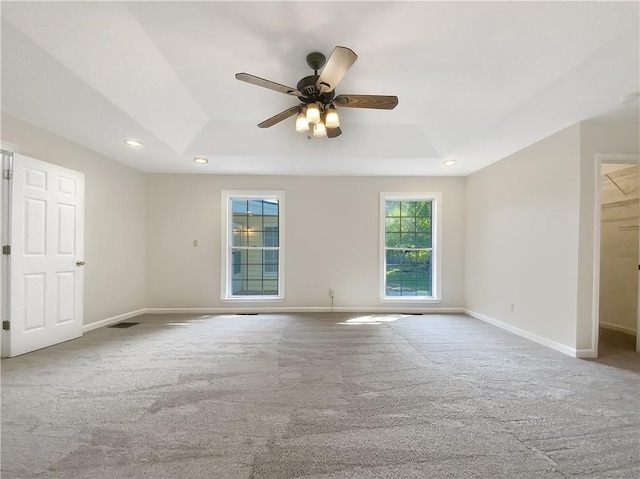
133, 143
448, 162
202, 161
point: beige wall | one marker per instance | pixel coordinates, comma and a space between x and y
595, 138
522, 238
115, 219
331, 238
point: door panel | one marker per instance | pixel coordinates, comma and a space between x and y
47, 226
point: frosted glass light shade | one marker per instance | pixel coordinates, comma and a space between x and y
319, 130
301, 122
331, 119
313, 113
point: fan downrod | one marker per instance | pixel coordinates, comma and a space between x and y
316, 61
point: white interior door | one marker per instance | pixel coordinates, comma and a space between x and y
47, 248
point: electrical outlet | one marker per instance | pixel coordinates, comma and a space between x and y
332, 293
512, 307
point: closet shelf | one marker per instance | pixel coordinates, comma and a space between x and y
620, 203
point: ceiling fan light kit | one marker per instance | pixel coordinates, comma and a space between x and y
317, 95
313, 113
331, 118
302, 124
319, 130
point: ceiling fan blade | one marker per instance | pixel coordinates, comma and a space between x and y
254, 80
378, 102
279, 117
333, 132
337, 66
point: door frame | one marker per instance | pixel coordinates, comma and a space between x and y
600, 159
5, 239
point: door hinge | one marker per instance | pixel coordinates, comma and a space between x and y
6, 325
6, 249
7, 174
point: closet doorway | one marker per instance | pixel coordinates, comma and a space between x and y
618, 313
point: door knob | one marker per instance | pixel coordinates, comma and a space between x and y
79, 263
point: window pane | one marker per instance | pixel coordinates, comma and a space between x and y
270, 258
409, 273
424, 273
254, 207
270, 236
270, 287
409, 288
407, 208
254, 286
239, 230
393, 240
239, 236
254, 238
236, 259
423, 209
239, 207
255, 223
394, 257
393, 288
407, 224
271, 208
423, 240
237, 286
423, 224
407, 240
392, 208
254, 256
392, 225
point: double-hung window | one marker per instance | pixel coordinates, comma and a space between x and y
253, 232
409, 246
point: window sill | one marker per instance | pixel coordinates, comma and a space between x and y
253, 299
410, 299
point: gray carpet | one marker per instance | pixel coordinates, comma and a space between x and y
316, 396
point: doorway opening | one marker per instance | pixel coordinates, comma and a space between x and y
618, 241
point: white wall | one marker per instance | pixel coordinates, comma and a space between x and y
332, 238
619, 249
522, 239
114, 219
595, 138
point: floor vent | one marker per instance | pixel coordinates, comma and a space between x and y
123, 325
247, 314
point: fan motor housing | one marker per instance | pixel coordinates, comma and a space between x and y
308, 86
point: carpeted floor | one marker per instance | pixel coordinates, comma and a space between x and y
316, 396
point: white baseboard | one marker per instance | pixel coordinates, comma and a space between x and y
620, 329
303, 309
113, 320
526, 334
586, 354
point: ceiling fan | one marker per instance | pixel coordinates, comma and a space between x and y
316, 93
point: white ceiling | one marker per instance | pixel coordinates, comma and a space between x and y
476, 81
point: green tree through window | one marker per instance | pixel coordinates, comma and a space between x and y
408, 248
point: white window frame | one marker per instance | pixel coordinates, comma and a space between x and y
227, 236
436, 253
